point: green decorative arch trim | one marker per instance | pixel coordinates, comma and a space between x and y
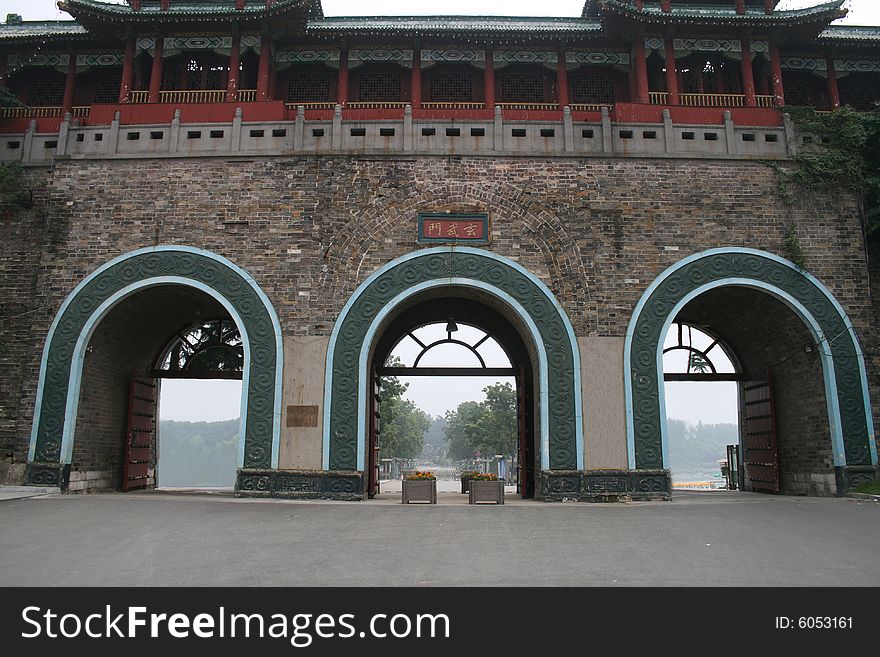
846, 382
452, 266
61, 367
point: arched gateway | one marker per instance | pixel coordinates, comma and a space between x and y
850, 425
61, 369
452, 270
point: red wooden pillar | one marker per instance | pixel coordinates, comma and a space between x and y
127, 72
768, 6
640, 4
272, 78
672, 73
666, 5
234, 70
415, 97
776, 74
641, 63
156, 72
263, 70
489, 80
833, 90
740, 6
748, 75
562, 81
69, 86
342, 80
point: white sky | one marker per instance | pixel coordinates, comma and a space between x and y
862, 12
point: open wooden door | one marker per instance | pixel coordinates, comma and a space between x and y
373, 447
760, 454
140, 433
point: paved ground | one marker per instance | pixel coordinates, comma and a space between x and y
178, 539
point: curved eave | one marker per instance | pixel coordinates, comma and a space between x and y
850, 36
819, 15
445, 26
101, 12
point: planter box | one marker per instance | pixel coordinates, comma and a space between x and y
465, 484
422, 491
486, 491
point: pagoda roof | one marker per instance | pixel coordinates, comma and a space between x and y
26, 31
372, 25
715, 14
189, 10
850, 35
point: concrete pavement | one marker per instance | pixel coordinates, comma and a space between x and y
148, 539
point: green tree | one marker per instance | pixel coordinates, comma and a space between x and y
402, 425
489, 427
498, 427
463, 429
9, 99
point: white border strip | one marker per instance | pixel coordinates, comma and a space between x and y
328, 379
76, 365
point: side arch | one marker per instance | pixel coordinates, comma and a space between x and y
58, 389
846, 387
519, 290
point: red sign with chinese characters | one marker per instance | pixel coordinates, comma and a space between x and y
443, 228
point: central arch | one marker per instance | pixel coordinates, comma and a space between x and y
520, 292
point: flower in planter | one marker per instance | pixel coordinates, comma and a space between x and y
419, 475
469, 474
481, 476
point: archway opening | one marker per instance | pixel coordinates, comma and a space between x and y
701, 375
462, 363
128, 356
785, 443
200, 372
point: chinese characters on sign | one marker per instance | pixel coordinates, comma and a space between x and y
446, 228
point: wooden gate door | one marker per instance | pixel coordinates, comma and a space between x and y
140, 433
760, 453
373, 447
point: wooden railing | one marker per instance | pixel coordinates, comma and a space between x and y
81, 112
311, 106
30, 112
453, 106
659, 98
588, 107
377, 105
196, 96
187, 97
536, 107
711, 100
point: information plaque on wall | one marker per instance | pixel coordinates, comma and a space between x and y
442, 228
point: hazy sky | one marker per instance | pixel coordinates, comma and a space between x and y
862, 12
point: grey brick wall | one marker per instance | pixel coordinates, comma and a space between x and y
310, 229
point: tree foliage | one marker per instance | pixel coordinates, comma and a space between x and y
9, 99
847, 156
402, 425
15, 192
489, 427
